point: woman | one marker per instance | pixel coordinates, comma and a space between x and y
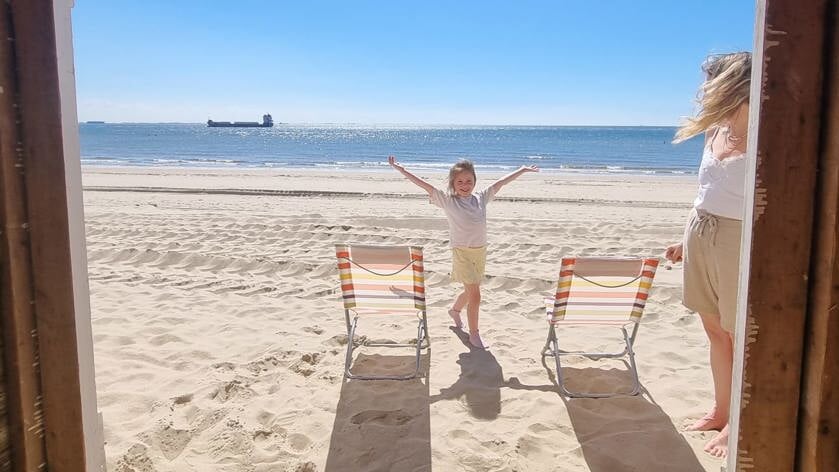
711, 244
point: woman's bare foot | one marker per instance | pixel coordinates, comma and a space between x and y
711, 421
718, 446
475, 340
455, 314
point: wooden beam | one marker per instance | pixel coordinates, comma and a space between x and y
818, 445
786, 107
46, 205
22, 379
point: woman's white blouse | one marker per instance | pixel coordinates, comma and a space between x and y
721, 185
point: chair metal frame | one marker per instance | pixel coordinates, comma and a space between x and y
351, 314
647, 267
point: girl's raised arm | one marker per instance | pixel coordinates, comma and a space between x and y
512, 176
413, 178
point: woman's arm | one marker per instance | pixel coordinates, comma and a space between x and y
511, 177
674, 252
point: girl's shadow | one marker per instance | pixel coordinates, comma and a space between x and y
480, 382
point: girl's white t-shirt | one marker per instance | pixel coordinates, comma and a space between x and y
467, 216
722, 185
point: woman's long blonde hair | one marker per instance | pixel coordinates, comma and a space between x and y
726, 87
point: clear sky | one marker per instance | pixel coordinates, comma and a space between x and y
560, 62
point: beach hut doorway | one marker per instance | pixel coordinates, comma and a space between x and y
786, 373
787, 353
50, 419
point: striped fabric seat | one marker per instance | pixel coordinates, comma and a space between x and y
382, 281
599, 291
602, 290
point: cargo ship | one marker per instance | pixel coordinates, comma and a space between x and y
267, 122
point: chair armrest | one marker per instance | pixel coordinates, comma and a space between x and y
549, 308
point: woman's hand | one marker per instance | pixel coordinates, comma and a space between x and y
674, 252
529, 169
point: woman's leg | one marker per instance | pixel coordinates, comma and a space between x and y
718, 446
722, 360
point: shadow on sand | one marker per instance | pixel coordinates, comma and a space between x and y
386, 425
623, 432
480, 382
382, 424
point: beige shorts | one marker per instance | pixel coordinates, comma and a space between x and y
468, 264
712, 266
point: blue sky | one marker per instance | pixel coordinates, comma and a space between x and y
584, 62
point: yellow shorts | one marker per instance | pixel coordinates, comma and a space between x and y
468, 264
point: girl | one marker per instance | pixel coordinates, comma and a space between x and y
466, 214
711, 244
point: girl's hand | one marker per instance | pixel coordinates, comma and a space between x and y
392, 161
529, 169
674, 252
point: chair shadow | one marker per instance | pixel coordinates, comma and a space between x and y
382, 424
623, 432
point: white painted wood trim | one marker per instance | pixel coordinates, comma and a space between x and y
91, 418
753, 193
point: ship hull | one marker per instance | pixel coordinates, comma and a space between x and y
222, 124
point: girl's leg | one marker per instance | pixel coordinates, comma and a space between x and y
473, 297
459, 303
722, 360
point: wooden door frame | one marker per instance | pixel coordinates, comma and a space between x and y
785, 368
48, 343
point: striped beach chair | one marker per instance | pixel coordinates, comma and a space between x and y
599, 291
377, 282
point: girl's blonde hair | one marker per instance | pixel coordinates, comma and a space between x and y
726, 87
462, 165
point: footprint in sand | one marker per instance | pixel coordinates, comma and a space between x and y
387, 418
230, 390
136, 459
182, 399
306, 467
305, 366
171, 441
313, 329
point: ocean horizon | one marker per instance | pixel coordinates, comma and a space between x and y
349, 146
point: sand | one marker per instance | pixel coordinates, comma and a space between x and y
219, 334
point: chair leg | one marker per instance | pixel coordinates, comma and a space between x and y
350, 345
420, 341
551, 337
553, 346
552, 349
632, 367
560, 380
426, 338
422, 337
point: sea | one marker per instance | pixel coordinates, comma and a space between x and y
584, 149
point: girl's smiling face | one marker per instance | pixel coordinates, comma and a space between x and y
463, 184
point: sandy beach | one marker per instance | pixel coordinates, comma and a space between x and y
219, 334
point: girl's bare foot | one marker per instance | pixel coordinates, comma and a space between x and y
475, 340
718, 446
711, 421
455, 314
